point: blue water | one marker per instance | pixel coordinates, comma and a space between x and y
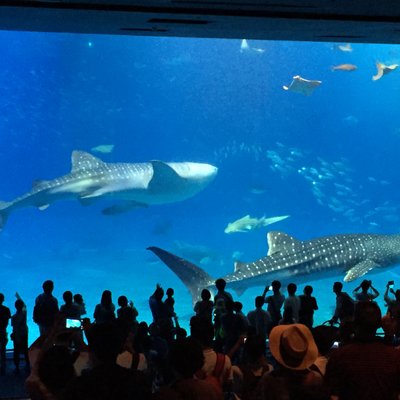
329, 160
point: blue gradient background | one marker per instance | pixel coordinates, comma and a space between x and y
329, 160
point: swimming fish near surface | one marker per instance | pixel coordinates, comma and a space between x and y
103, 148
131, 185
244, 47
247, 223
383, 70
302, 86
346, 48
344, 67
292, 260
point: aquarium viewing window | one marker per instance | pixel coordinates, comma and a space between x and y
222, 140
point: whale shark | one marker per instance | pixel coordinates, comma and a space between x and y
130, 185
292, 260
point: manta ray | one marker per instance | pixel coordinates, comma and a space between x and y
129, 185
302, 86
292, 260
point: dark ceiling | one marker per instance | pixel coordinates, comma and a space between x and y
324, 20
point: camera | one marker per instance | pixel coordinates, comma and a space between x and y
390, 283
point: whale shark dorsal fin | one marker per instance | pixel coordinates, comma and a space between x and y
163, 176
359, 270
82, 161
280, 242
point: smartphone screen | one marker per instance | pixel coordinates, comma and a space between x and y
73, 323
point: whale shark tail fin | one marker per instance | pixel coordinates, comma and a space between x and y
193, 277
3, 213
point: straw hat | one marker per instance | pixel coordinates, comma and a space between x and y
293, 346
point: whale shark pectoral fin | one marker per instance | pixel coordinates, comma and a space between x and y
280, 242
121, 208
359, 270
164, 176
92, 192
81, 160
43, 207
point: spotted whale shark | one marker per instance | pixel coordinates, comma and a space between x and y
130, 185
292, 260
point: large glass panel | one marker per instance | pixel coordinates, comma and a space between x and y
325, 155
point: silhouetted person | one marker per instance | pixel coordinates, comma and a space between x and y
220, 300
260, 319
232, 327
186, 358
202, 330
5, 315
170, 303
308, 304
105, 310
292, 301
344, 310
56, 370
158, 308
46, 308
274, 302
19, 334
70, 309
238, 309
204, 307
78, 300
324, 336
107, 380
161, 313
254, 367
368, 292
367, 368
126, 315
220, 284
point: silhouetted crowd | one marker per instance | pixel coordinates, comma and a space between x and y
271, 353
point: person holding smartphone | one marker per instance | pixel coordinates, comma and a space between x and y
393, 306
368, 292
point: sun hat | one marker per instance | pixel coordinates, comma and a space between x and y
293, 346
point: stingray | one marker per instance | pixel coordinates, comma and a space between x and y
383, 70
303, 86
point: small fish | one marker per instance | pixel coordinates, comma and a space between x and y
383, 70
346, 48
344, 67
247, 223
103, 148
